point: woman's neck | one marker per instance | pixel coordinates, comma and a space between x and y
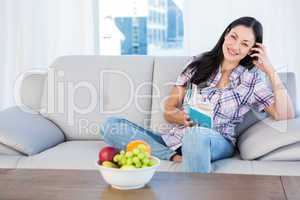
227, 67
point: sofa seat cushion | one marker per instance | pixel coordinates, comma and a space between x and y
282, 168
67, 155
233, 165
75, 155
84, 154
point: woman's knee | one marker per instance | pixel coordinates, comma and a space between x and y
111, 125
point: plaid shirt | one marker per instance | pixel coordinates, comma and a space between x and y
246, 90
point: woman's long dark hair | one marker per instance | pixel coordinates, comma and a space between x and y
207, 63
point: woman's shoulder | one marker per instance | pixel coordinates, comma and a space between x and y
251, 75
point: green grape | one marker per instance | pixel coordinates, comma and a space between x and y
144, 165
135, 159
123, 161
122, 152
141, 156
135, 151
128, 154
116, 158
129, 161
120, 162
146, 161
152, 162
120, 158
138, 164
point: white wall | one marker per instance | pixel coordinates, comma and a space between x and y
34, 32
205, 20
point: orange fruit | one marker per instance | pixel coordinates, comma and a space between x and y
135, 143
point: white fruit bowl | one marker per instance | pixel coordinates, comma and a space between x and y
126, 179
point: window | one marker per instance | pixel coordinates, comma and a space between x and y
145, 27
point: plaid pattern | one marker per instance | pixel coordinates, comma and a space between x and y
246, 90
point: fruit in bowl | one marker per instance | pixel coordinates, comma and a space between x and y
128, 169
107, 154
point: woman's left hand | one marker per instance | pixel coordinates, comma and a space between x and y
262, 61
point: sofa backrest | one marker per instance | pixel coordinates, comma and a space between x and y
82, 91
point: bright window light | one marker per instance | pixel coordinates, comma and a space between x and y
141, 27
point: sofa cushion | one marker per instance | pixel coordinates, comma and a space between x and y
76, 154
27, 132
233, 165
286, 153
67, 155
267, 136
84, 154
5, 150
82, 91
250, 118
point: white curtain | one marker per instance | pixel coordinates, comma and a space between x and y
205, 20
34, 32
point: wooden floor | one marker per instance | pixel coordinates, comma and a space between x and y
88, 184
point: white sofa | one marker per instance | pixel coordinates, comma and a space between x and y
77, 94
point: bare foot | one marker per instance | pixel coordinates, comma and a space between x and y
177, 158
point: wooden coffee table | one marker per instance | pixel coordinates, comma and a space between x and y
87, 184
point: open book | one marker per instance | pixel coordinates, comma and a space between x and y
199, 109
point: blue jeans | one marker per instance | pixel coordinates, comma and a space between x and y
200, 147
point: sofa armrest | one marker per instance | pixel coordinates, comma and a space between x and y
29, 88
26, 132
267, 136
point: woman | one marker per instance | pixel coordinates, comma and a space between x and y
228, 77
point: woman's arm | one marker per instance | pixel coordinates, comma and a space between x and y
282, 108
172, 113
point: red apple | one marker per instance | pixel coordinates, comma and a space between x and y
107, 154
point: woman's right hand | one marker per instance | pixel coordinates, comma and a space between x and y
172, 113
187, 121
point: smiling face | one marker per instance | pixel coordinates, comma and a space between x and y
237, 43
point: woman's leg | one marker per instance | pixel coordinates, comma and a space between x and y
118, 132
201, 146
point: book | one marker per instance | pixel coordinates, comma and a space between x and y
202, 117
199, 109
